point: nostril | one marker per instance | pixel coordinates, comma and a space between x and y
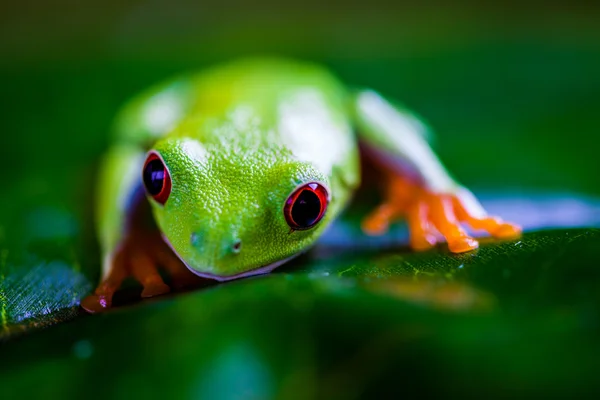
195, 239
237, 246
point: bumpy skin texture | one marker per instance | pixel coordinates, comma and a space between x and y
237, 140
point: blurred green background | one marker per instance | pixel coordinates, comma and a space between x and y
512, 90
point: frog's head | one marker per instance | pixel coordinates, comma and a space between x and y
229, 214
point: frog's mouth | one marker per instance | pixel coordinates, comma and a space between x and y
265, 269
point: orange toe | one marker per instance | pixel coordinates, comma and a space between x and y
423, 243
95, 303
507, 231
155, 289
462, 245
373, 227
378, 222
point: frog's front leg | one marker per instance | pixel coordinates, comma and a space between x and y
418, 188
131, 242
428, 212
140, 256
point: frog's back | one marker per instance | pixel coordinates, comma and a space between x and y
286, 109
265, 84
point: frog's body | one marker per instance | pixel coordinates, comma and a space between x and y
236, 141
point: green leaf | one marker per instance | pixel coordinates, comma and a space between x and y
516, 314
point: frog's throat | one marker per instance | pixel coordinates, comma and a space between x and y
257, 271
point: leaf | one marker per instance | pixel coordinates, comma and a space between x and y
517, 314
42, 280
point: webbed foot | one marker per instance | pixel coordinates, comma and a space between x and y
139, 257
428, 213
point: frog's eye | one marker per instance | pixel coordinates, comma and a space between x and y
306, 206
156, 178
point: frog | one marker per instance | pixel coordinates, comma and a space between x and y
234, 170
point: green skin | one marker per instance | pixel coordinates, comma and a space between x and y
237, 140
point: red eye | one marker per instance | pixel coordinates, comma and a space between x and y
157, 179
306, 206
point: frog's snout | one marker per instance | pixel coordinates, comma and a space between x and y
217, 247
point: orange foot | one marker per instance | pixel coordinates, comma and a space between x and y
138, 257
427, 213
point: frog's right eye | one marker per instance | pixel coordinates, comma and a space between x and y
157, 179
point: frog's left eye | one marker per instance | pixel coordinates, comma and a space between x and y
306, 206
157, 179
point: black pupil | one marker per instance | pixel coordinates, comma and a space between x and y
154, 176
306, 209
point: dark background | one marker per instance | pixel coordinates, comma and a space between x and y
510, 87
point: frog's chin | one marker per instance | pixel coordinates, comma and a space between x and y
222, 278
257, 271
